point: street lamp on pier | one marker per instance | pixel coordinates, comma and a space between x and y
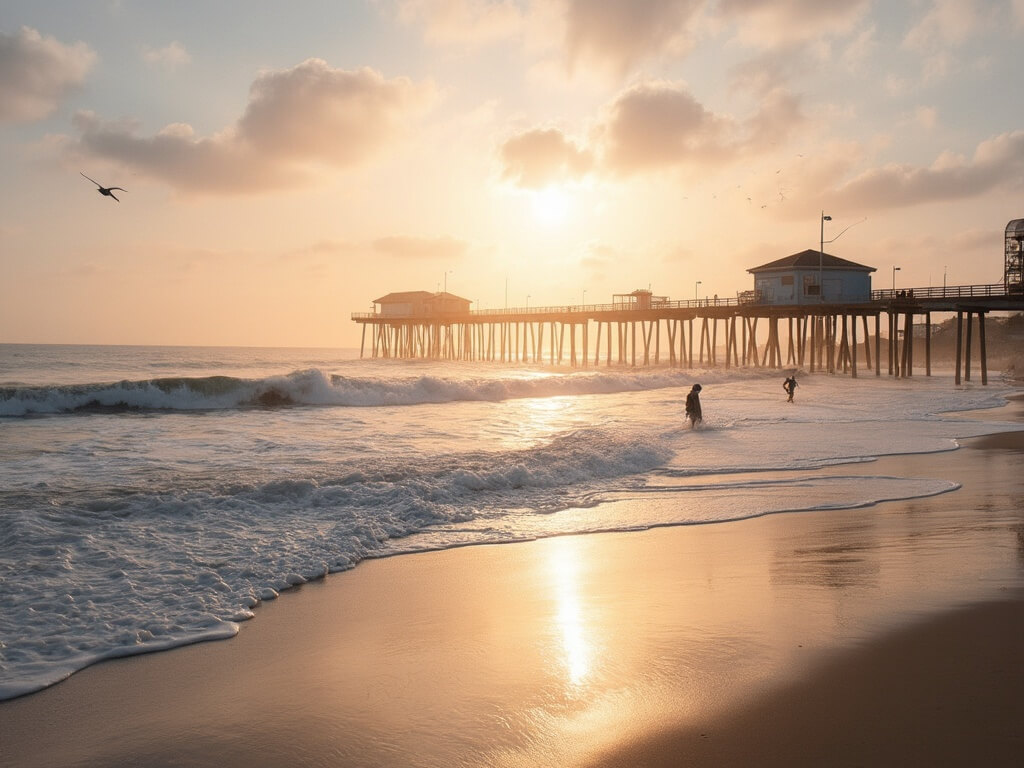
527, 301
821, 256
695, 289
894, 271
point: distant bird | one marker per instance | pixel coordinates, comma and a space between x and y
106, 190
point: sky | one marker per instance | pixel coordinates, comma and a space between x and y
285, 164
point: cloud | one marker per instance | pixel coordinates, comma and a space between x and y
926, 117
860, 50
296, 119
170, 56
463, 22
783, 22
324, 248
542, 156
768, 70
947, 22
36, 72
615, 35
338, 116
421, 248
608, 36
655, 126
650, 127
997, 163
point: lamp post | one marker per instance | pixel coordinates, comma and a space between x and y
894, 271
584, 297
447, 272
695, 289
527, 301
821, 257
944, 280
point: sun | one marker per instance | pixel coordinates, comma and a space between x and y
550, 205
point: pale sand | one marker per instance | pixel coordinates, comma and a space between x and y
891, 635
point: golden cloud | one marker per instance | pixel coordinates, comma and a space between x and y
309, 115
36, 72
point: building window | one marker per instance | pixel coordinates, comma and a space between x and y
811, 288
787, 279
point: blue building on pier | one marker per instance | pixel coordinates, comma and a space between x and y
811, 277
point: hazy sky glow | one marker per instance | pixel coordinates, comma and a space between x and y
288, 163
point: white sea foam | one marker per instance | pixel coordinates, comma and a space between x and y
312, 387
128, 531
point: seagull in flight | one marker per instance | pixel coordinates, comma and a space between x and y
106, 190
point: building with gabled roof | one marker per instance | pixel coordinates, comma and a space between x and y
421, 303
811, 277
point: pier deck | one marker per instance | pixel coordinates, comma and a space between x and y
699, 333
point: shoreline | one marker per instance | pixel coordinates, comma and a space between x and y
941, 691
738, 629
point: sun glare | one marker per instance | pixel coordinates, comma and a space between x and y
550, 205
565, 573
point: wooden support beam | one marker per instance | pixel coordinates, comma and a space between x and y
691, 343
927, 343
683, 360
981, 343
890, 315
908, 341
967, 350
853, 346
878, 344
959, 343
743, 323
646, 333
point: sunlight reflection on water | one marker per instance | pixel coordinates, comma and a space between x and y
564, 566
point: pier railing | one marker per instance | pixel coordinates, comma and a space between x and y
943, 292
580, 309
745, 298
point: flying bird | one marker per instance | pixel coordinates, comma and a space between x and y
106, 190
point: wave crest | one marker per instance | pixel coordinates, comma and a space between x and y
312, 387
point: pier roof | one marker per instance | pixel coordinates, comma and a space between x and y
414, 296
402, 296
810, 259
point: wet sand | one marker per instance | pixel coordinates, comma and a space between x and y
890, 635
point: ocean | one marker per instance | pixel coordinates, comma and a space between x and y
152, 497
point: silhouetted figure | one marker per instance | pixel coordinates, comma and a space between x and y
790, 386
693, 412
106, 190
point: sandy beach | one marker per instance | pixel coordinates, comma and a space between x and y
889, 635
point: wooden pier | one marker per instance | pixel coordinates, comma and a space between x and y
705, 333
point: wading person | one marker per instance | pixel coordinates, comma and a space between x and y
693, 406
790, 386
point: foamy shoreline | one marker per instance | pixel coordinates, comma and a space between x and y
420, 660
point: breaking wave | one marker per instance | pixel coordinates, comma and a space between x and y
312, 387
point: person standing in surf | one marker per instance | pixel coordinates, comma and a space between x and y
693, 412
790, 386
